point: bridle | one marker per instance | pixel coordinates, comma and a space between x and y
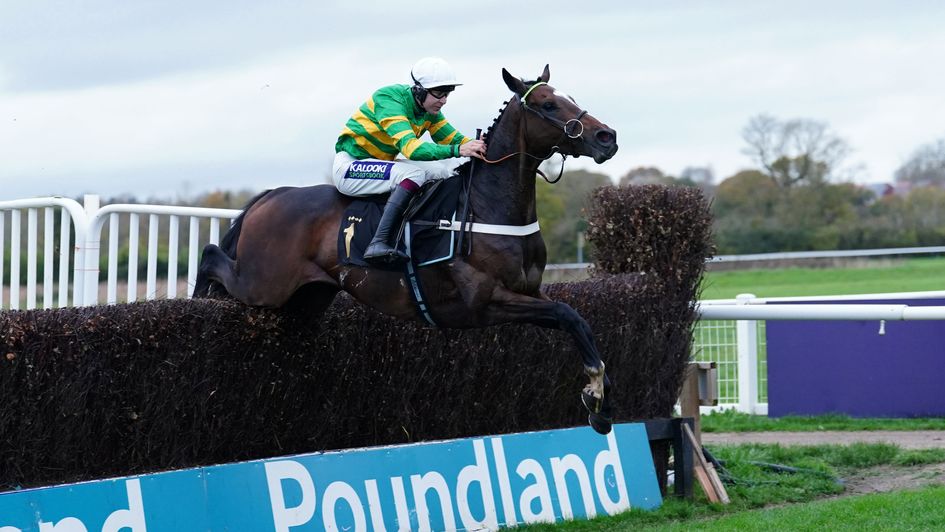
572, 129
569, 129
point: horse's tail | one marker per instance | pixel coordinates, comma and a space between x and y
203, 285
232, 236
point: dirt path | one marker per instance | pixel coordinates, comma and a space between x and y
872, 480
894, 478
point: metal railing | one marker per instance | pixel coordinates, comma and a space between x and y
739, 346
79, 240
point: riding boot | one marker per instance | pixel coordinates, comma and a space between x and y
383, 247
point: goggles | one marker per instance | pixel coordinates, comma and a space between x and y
441, 92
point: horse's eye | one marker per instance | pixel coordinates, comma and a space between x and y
548, 106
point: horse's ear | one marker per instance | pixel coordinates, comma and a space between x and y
545, 75
515, 85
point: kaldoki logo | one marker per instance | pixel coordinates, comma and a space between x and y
369, 170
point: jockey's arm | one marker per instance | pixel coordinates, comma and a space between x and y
391, 115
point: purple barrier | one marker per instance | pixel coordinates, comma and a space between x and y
847, 367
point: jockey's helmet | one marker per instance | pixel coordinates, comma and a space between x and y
432, 72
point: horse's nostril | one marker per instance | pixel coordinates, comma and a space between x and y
606, 137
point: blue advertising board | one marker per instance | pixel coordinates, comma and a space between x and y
465, 484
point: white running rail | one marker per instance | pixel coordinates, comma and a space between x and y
82, 251
746, 364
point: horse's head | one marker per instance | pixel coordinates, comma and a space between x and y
554, 119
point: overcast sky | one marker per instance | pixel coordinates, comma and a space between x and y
171, 99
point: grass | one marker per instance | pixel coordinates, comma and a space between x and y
873, 276
904, 510
732, 421
754, 488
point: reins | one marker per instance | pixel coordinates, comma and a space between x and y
468, 189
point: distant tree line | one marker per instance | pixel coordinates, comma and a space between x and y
800, 196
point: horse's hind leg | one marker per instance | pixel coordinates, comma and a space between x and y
310, 301
215, 266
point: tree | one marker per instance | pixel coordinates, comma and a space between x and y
560, 211
701, 177
926, 166
645, 175
791, 152
754, 215
743, 209
225, 199
748, 193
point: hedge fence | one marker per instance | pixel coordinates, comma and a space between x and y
126, 389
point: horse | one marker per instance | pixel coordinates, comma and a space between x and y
284, 241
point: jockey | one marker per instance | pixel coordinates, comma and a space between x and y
389, 125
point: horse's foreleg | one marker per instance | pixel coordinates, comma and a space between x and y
512, 307
556, 315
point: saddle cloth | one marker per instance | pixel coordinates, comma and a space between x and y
420, 238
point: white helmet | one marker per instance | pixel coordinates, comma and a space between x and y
431, 72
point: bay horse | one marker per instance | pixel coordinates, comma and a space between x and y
286, 239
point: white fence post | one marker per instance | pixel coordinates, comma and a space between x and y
746, 334
192, 242
15, 260
49, 222
111, 293
90, 244
31, 238
172, 243
133, 228
151, 290
65, 226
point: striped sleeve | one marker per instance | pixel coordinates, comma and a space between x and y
444, 133
391, 116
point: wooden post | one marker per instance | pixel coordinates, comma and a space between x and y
700, 388
689, 401
682, 458
705, 472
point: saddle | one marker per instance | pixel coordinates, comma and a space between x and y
436, 203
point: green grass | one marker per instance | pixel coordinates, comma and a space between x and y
904, 510
920, 457
876, 276
731, 421
755, 487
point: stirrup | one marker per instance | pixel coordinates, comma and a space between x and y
381, 253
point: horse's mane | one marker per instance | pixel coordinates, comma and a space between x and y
465, 168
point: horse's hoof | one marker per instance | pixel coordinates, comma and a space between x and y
599, 423
591, 403
599, 415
